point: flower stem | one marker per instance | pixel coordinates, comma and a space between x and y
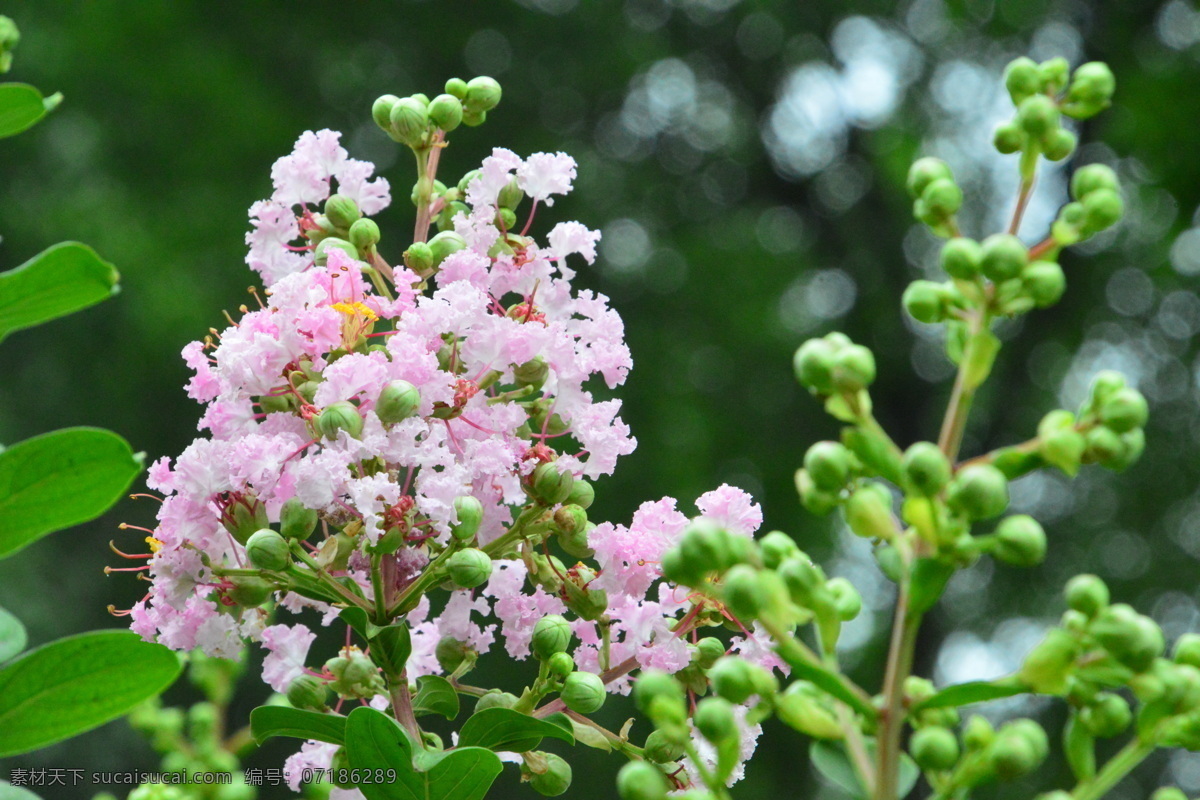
1117, 768
899, 666
959, 408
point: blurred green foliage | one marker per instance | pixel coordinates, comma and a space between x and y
745, 161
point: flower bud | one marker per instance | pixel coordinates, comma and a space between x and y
1003, 257
942, 198
470, 516
805, 708
704, 548
1008, 138
853, 368
308, 691
1187, 650
511, 195
446, 112
813, 365
583, 692
639, 780
1129, 637
1022, 79
829, 465
732, 679
551, 486
659, 696
926, 468
1102, 209
1124, 411
532, 373
804, 579
267, 550
743, 592
456, 87
340, 416
321, 251
575, 543
868, 512
980, 491
1020, 541
1168, 793
560, 665
1091, 90
355, 675
469, 568
961, 258
663, 748
977, 733
297, 521
925, 171
1087, 594
381, 112
925, 301
1049, 665
1044, 282
483, 94
1013, 756
1092, 178
583, 494
556, 778
934, 748
494, 698
398, 400
1108, 716
708, 651
552, 634
1059, 144
451, 653
248, 591
1053, 74
409, 121
1132, 446
715, 720
847, 602
364, 234
775, 547
342, 211
419, 257
1037, 115
444, 244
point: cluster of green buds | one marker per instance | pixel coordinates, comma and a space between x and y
1042, 95
416, 120
341, 225
354, 675
980, 753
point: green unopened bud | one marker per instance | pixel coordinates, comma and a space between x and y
1020, 747
451, 653
342, 211
552, 634
743, 592
297, 521
708, 651
1020, 541
868, 512
555, 779
248, 591
1108, 716
321, 251
583, 692
1124, 411
977, 733
847, 602
340, 416
1008, 138
457, 87
364, 235
1102, 209
804, 579
575, 543
805, 708
1129, 637
381, 112
532, 373
308, 691
1102, 445
1021, 78
398, 400
469, 512
1048, 666
1037, 115
583, 494
813, 365
1092, 178
419, 257
925, 301
639, 780
1087, 594
446, 112
1059, 144
1003, 257
511, 195
1168, 793
934, 748
942, 198
703, 548
961, 258
469, 568
1132, 446
853, 368
925, 171
715, 720
663, 747
829, 465
354, 674
560, 665
776, 547
656, 691
266, 549
732, 679
483, 94
551, 486
1053, 74
495, 698
980, 491
1091, 90
409, 121
1044, 282
926, 468
445, 244
1187, 650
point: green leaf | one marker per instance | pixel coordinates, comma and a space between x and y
390, 649
981, 350
375, 742
60, 479
831, 761
435, 695
10, 792
972, 692
823, 678
929, 577
21, 106
587, 735
268, 721
63, 279
505, 729
77, 683
357, 619
12, 636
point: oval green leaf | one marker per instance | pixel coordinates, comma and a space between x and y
268, 721
60, 280
962, 694
21, 106
75, 684
505, 729
12, 636
60, 479
435, 695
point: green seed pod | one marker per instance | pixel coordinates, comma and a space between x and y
847, 602
340, 416
398, 400
980, 491
934, 748
1044, 282
532, 373
1020, 541
1003, 257
308, 691
829, 465
483, 94
419, 257
495, 698
776, 547
1022, 79
853, 368
470, 516
321, 251
1087, 594
555, 780
583, 494
1059, 144
409, 121
743, 592
451, 653
732, 679
583, 692
1108, 716
445, 244
805, 708
267, 550
925, 171
926, 468
381, 112
925, 301
1008, 138
1124, 410
813, 365
250, 592
364, 235
662, 748
342, 211
942, 198
469, 568
1037, 115
446, 112
639, 780
1053, 74
715, 720
552, 634
560, 665
1092, 178
868, 512
551, 486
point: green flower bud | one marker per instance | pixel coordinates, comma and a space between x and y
926, 468
575, 543
532, 373
250, 592
583, 494
1053, 74
1168, 793
1108, 716
934, 748
355, 675
560, 665
342, 211
1092, 178
1129, 637
704, 548
925, 301
743, 592
1132, 446
812, 498
297, 521
829, 465
470, 516
1102, 209
805, 708
469, 568
409, 121
1124, 410
483, 94
708, 651
1049, 665
551, 486
1020, 541
1102, 445
381, 112
1091, 89
961, 258
340, 416
804, 579
1059, 144
556, 778
1019, 748
1187, 650
444, 244
847, 602
1044, 282
660, 747
1022, 79
511, 195
813, 365
1037, 115
266, 549
451, 653
446, 112
715, 720
925, 171
659, 696
1003, 257
777, 546
552, 634
457, 87
583, 692
495, 698
419, 257
1008, 138
398, 400
732, 679
942, 198
321, 251
853, 368
364, 234
1087, 594
639, 780
980, 491
868, 512
308, 691
977, 733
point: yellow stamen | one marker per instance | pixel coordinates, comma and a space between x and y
356, 310
155, 544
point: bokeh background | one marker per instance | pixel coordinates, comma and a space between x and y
745, 160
